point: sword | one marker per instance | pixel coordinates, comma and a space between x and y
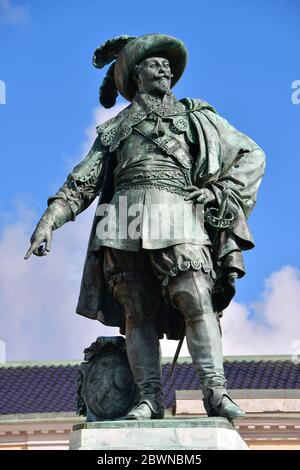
220, 219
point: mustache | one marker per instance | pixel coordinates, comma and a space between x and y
167, 76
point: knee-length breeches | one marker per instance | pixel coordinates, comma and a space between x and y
183, 274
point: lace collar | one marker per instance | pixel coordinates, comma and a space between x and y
143, 105
152, 104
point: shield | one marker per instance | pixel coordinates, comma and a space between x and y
106, 389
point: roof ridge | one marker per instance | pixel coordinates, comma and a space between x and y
246, 358
55, 363
165, 360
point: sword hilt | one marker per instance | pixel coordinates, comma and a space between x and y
220, 218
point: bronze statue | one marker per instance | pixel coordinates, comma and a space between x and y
165, 152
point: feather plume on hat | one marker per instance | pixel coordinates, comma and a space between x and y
104, 55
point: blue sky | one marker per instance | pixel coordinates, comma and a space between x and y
243, 59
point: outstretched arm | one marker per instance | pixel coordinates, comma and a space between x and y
77, 193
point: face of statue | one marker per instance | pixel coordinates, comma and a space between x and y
153, 76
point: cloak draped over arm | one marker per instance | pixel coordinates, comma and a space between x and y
227, 158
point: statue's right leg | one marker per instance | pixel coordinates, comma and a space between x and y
130, 285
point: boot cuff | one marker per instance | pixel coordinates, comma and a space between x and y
214, 395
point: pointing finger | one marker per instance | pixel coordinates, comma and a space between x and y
29, 253
31, 250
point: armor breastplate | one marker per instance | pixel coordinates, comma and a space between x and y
152, 179
140, 160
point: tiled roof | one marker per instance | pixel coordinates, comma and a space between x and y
37, 389
52, 388
240, 375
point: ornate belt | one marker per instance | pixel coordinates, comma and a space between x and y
171, 180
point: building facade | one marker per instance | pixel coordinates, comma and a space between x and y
38, 401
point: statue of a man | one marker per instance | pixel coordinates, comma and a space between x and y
161, 151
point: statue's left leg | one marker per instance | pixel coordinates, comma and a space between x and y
190, 292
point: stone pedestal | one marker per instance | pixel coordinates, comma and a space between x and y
164, 434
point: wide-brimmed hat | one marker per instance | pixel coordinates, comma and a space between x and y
128, 51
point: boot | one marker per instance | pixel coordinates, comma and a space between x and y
217, 402
204, 343
142, 346
143, 351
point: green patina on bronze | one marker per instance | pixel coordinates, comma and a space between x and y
161, 149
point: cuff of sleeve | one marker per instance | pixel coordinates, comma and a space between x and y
64, 205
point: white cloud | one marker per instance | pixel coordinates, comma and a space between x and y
38, 297
275, 326
11, 14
